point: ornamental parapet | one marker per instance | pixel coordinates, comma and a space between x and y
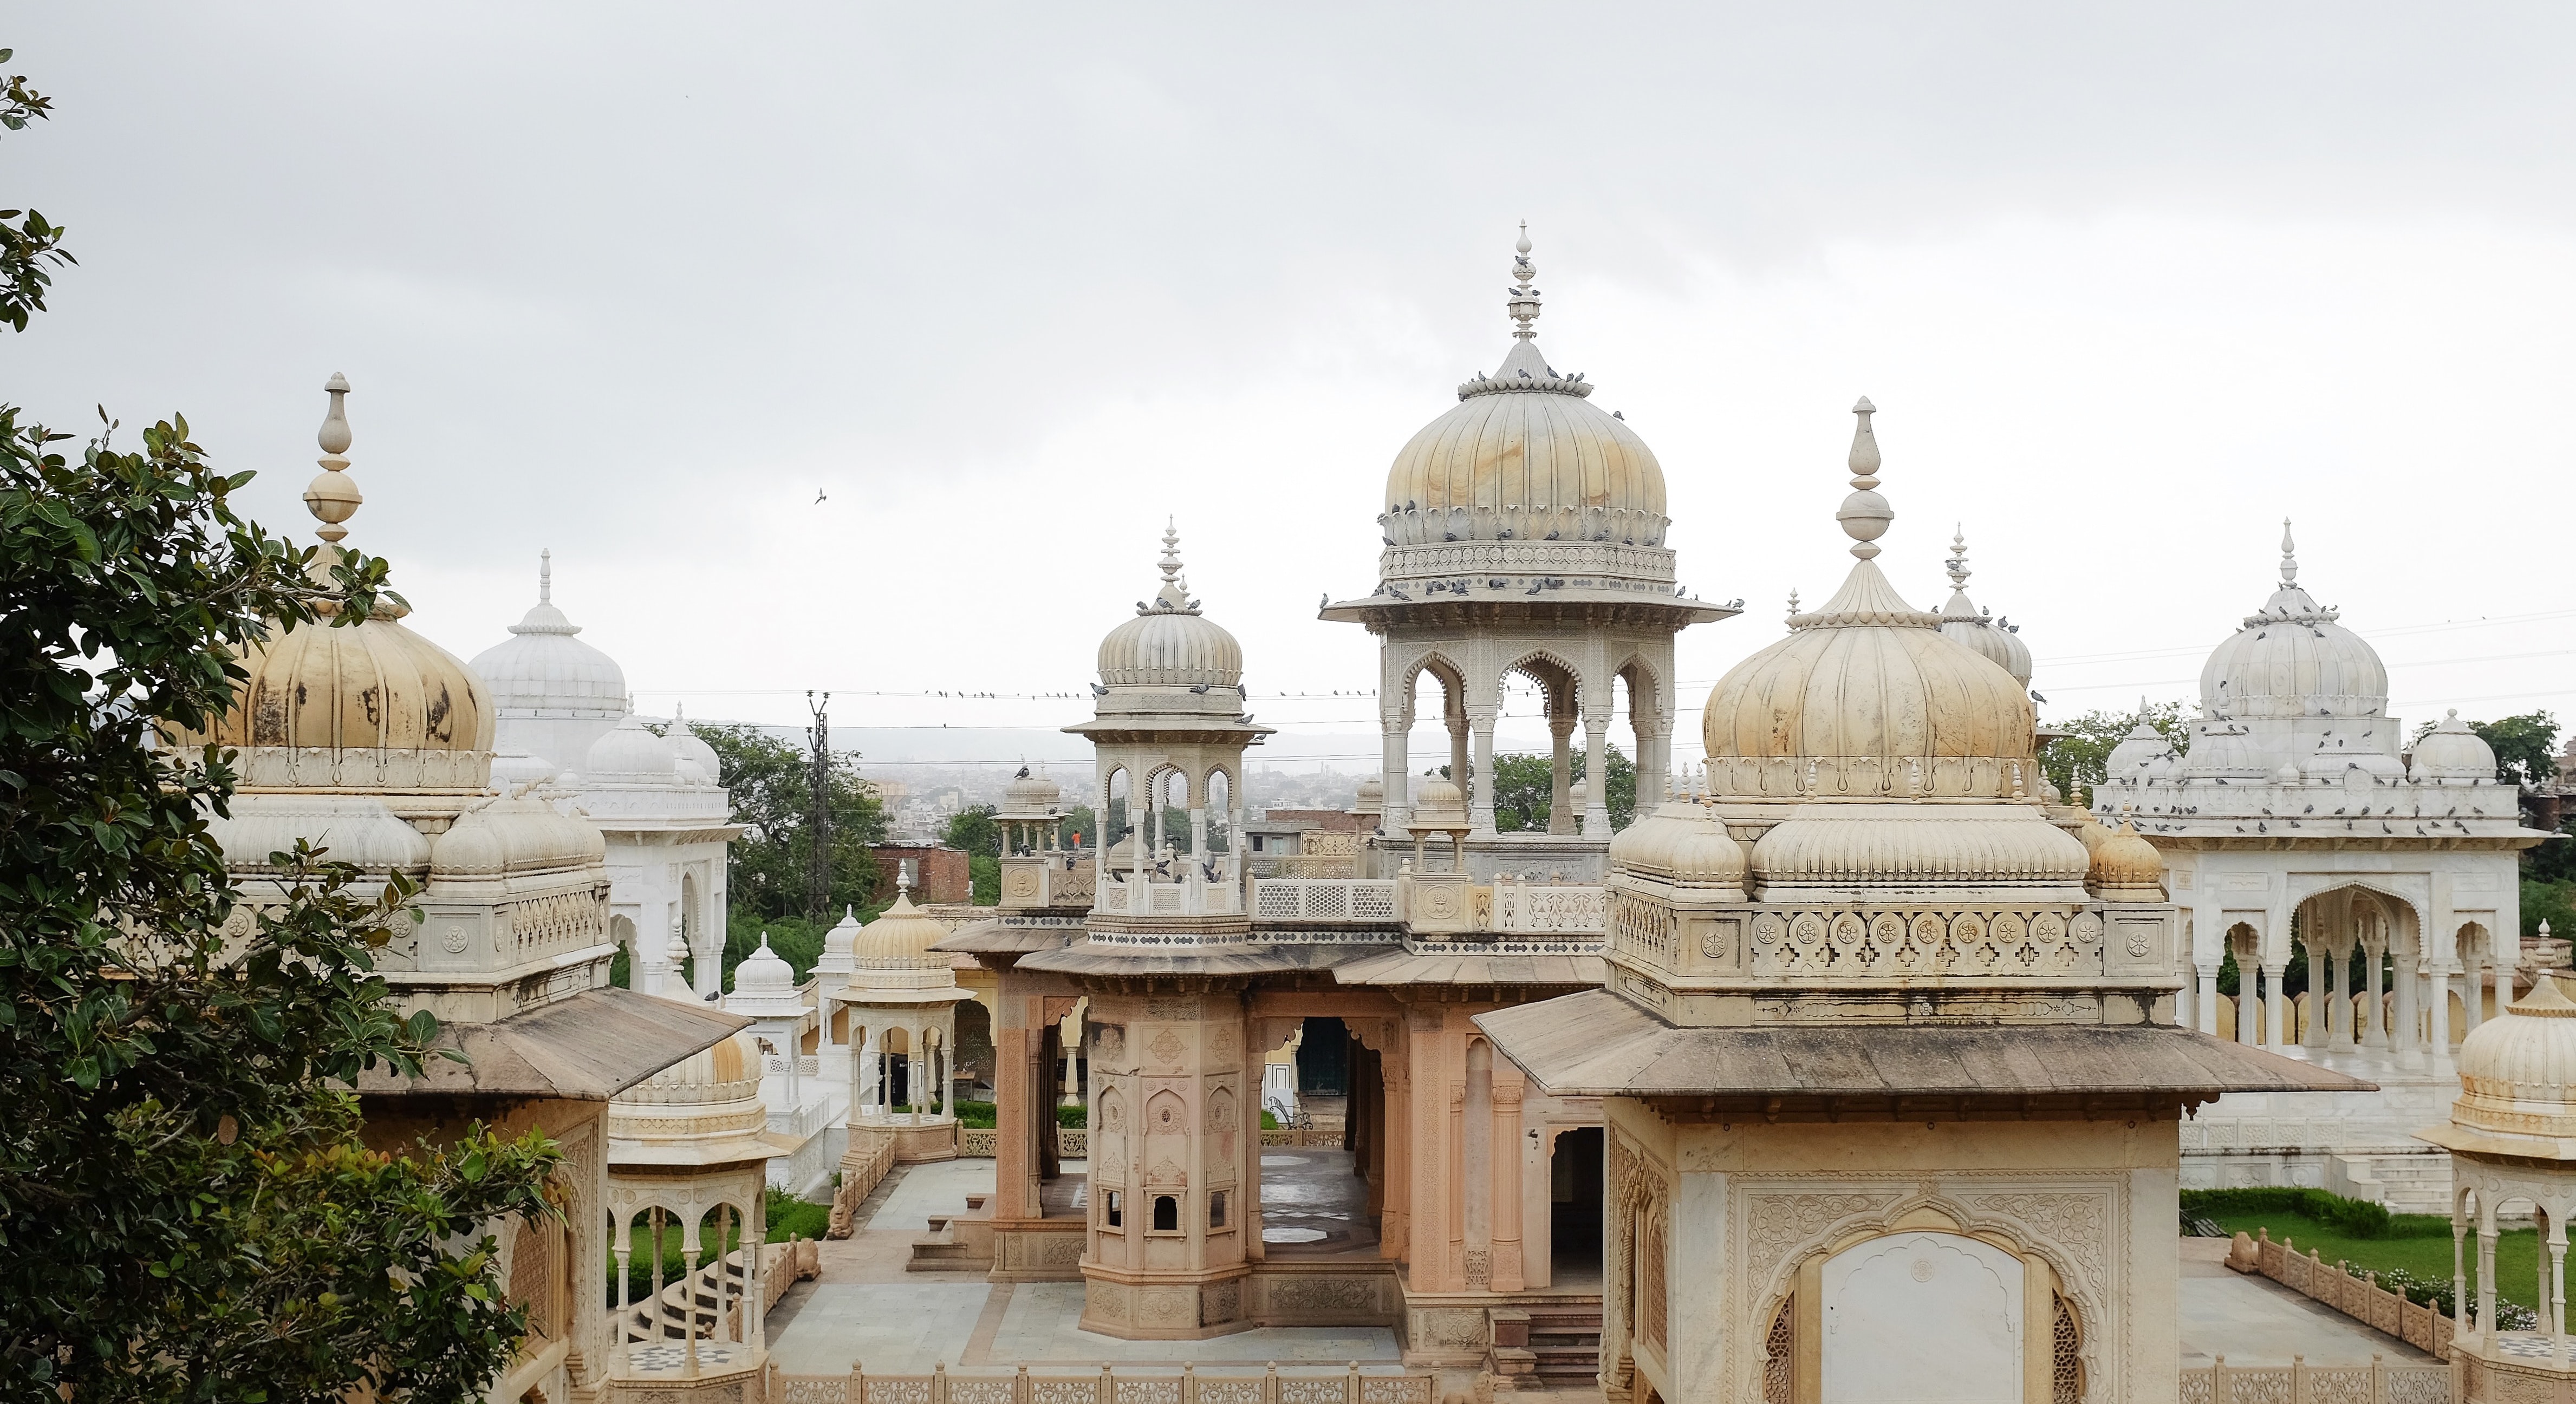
1933, 942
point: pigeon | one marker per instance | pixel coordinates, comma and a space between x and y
1614, 414
2035, 697
2311, 809
1551, 536
1321, 601
818, 496
1098, 691
1200, 688
1448, 536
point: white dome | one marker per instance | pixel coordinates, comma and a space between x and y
543, 671
763, 972
2450, 751
840, 946
1999, 643
357, 829
631, 754
2291, 659
1169, 644
513, 769
2137, 751
1031, 794
689, 746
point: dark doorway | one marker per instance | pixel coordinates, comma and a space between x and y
1574, 1203
1323, 1059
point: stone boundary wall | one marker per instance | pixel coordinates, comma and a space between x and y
863, 1168
1107, 1386
2302, 1383
2357, 1296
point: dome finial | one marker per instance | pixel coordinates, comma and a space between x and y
331, 497
2289, 557
1175, 594
546, 575
1864, 515
1793, 601
1522, 303
1959, 557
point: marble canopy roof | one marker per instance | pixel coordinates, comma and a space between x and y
588, 1047
1598, 1044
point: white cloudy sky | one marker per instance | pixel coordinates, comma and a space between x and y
639, 282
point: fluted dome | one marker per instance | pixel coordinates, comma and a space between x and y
356, 829
631, 754
1977, 630
1681, 843
1169, 644
2221, 747
1370, 797
2518, 1071
763, 971
1525, 456
1031, 794
689, 746
1866, 697
895, 955
1439, 804
2450, 751
702, 1110
366, 706
2291, 659
840, 946
506, 836
542, 671
2126, 861
1844, 846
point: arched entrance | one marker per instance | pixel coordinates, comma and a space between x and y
1574, 1206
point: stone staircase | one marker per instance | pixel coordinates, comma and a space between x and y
665, 1317
1565, 1338
941, 1250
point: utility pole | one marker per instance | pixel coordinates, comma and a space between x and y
818, 821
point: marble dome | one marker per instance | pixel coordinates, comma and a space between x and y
1525, 456
543, 671
1963, 623
1438, 804
1169, 644
1681, 843
689, 746
2518, 1071
2291, 659
894, 951
1846, 846
1031, 794
2125, 860
631, 754
1866, 696
2450, 751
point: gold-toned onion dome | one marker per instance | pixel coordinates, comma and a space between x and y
365, 706
1524, 452
894, 951
1526, 457
1844, 846
2518, 1071
2091, 834
1681, 843
2124, 861
2450, 751
2291, 659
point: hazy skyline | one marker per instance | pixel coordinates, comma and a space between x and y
1007, 288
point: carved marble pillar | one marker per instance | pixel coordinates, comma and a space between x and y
1560, 816
1508, 1087
1596, 771
1481, 811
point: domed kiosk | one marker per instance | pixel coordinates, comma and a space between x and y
2511, 1139
369, 740
1884, 1050
2299, 818
1524, 534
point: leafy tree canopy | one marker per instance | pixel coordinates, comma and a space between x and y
186, 1207
772, 783
972, 829
2077, 758
1525, 789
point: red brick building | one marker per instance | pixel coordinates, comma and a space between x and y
939, 875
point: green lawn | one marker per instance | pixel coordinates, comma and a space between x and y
787, 1218
2427, 1255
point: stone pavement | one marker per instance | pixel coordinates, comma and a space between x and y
2253, 1320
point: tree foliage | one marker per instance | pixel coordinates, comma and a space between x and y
972, 830
772, 784
186, 1208
28, 244
1525, 789
2076, 759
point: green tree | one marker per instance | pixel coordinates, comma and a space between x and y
772, 784
972, 829
1525, 790
186, 1208
2077, 757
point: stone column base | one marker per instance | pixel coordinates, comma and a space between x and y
1153, 1308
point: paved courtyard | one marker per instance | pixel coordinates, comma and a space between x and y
2253, 1320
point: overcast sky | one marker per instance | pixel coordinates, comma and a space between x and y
1004, 288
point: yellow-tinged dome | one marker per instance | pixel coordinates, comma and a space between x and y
1681, 843
2125, 861
1438, 804
356, 707
2518, 1071
1866, 698
1525, 457
900, 939
1849, 846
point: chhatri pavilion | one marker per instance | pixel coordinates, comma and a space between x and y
1859, 1052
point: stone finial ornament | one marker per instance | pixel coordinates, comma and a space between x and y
1175, 594
1864, 515
2289, 557
546, 575
1523, 300
1959, 556
331, 497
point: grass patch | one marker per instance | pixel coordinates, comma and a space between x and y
788, 1217
2410, 1248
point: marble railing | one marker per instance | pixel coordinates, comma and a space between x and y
1324, 900
1550, 909
2378, 1382
1043, 880
1137, 896
1107, 1385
